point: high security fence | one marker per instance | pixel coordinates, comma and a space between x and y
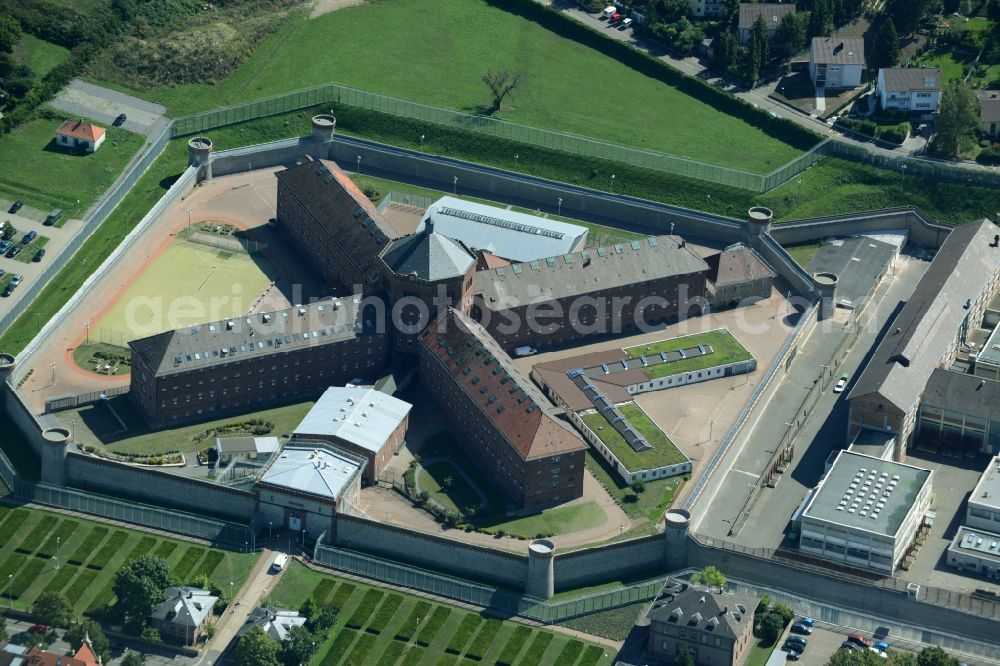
99, 214
499, 599
947, 172
71, 401
334, 93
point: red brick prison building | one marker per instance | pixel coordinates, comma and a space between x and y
248, 363
510, 430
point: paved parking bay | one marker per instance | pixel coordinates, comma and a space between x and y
103, 105
823, 642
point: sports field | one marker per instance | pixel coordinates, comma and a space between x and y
436, 53
44, 551
378, 626
186, 284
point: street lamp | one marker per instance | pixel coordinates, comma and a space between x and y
671, 228
612, 182
189, 219
422, 137
87, 324
515, 161
10, 581
270, 526
455, 186
560, 207
58, 541
53, 366
359, 164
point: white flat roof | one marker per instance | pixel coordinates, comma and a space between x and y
505, 233
987, 491
979, 543
362, 416
315, 470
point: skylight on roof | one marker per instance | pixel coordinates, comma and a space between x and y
517, 268
635, 245
651, 241
535, 265
550, 262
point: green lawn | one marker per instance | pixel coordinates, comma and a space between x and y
649, 504
759, 654
28, 251
558, 520
83, 354
391, 625
803, 254
951, 69
436, 54
459, 497
39, 55
662, 454
725, 349
614, 624
83, 562
94, 425
44, 176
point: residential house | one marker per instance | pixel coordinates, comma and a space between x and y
771, 12
78, 134
909, 88
182, 615
836, 62
276, 622
715, 627
22, 655
707, 8
989, 112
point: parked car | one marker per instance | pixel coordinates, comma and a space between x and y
881, 646
841, 384
525, 351
28, 237
119, 120
626, 23
807, 621
796, 640
801, 629
42, 629
53, 217
17, 279
5, 245
8, 290
279, 562
792, 655
609, 11
14, 207
859, 640
848, 645
38, 255
13, 251
615, 18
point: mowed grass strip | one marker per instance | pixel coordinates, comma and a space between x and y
537, 648
365, 609
89, 544
343, 593
26, 577
165, 549
11, 524
393, 651
209, 564
323, 589
463, 634
61, 579
108, 550
11, 566
484, 639
145, 545
412, 621
569, 654
340, 647
359, 653
433, 625
591, 655
515, 643
38, 533
81, 584
187, 563
384, 613
52, 545
413, 656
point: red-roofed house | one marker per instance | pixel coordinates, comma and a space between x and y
78, 134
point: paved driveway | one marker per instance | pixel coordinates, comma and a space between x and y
80, 98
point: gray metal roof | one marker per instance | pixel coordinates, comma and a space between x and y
865, 493
587, 271
246, 444
505, 233
362, 416
772, 13
838, 50
857, 261
185, 606
975, 542
903, 79
428, 256
699, 608
276, 622
737, 264
986, 494
959, 392
259, 334
931, 319
323, 471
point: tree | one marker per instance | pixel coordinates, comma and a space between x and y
501, 83
784, 612
151, 635
886, 51
667, 11
855, 658
906, 14
131, 659
684, 658
791, 32
992, 10
727, 52
324, 619
139, 586
819, 20
709, 576
256, 648
935, 656
958, 119
770, 628
10, 33
309, 608
53, 608
298, 647
760, 49
88, 628
638, 486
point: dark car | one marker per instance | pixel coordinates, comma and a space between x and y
848, 645
799, 628
5, 245
13, 251
119, 120
14, 207
792, 655
8, 290
38, 255
28, 237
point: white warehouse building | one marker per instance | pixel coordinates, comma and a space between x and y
865, 512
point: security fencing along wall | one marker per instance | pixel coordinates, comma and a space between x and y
71, 401
946, 172
334, 93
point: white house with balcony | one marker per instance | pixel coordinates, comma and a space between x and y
836, 62
911, 89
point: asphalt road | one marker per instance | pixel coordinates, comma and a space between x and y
80, 98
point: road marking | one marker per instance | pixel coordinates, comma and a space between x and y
751, 474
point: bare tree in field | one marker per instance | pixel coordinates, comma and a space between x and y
501, 83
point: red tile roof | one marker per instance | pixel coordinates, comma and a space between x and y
505, 397
80, 130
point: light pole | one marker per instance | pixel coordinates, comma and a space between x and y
455, 186
422, 137
270, 526
53, 366
671, 228
711, 429
189, 219
72, 431
58, 541
359, 164
560, 207
10, 581
612, 182
515, 161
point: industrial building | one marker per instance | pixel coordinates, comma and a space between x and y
975, 551
508, 427
360, 420
959, 413
947, 305
865, 512
983, 507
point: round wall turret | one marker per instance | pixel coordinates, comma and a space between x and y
7, 364
324, 126
55, 445
827, 285
758, 222
200, 155
675, 534
541, 569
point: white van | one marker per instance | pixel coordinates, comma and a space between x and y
279, 562
610, 11
525, 351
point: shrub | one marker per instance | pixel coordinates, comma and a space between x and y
150, 635
896, 134
989, 155
638, 486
